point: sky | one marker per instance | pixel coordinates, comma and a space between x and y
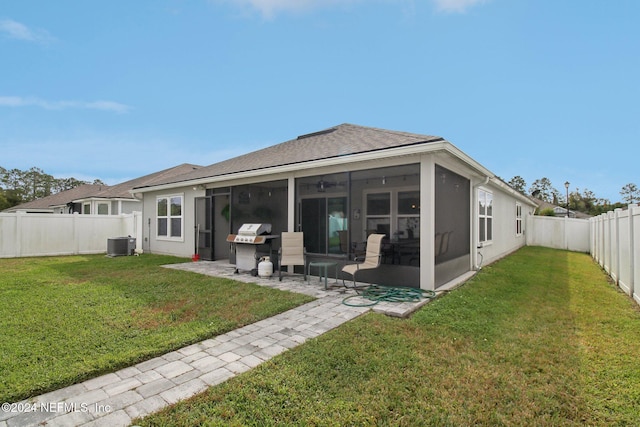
115, 90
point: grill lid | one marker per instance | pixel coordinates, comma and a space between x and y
256, 234
254, 229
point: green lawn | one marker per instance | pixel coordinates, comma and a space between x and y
539, 338
66, 319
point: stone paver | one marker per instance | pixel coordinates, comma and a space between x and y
117, 398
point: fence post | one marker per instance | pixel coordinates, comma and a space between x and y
607, 242
595, 238
603, 242
18, 246
75, 235
615, 247
632, 255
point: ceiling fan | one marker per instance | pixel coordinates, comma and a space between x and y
322, 185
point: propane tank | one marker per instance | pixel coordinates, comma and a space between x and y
265, 267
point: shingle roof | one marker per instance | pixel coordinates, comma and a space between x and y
546, 205
61, 198
122, 190
342, 140
118, 191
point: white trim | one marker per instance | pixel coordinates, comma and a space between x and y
427, 222
519, 219
383, 154
102, 202
168, 237
393, 206
487, 239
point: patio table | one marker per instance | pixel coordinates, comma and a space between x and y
323, 270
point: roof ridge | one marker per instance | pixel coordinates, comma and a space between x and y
393, 132
332, 142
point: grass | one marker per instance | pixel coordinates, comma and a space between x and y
538, 338
67, 319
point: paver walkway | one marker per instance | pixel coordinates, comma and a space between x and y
117, 398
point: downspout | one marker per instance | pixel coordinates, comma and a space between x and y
476, 244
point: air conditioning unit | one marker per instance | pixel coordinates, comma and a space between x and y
121, 246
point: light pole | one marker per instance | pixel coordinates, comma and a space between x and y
566, 185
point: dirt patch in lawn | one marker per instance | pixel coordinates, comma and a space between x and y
169, 313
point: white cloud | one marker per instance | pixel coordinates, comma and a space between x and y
115, 107
269, 8
18, 101
16, 30
456, 6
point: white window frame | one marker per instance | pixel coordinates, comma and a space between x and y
98, 204
86, 206
381, 217
169, 217
519, 229
485, 216
393, 216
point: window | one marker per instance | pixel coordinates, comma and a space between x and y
103, 208
485, 216
395, 214
379, 213
86, 208
408, 214
169, 217
518, 219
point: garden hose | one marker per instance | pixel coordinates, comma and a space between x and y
377, 293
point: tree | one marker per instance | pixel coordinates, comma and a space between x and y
4, 203
12, 183
543, 190
630, 193
63, 184
36, 183
582, 202
547, 212
17, 186
518, 183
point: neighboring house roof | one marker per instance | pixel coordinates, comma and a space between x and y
123, 190
90, 191
45, 204
338, 141
560, 210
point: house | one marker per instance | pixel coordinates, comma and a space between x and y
99, 199
443, 213
59, 203
559, 211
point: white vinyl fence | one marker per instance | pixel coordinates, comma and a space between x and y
29, 234
559, 233
613, 239
615, 245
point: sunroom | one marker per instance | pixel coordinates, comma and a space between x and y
337, 211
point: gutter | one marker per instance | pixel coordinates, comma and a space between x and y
438, 145
485, 182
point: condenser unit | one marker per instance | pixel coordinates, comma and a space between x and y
121, 246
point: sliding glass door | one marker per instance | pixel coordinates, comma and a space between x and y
324, 223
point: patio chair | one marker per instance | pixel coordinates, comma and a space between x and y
370, 260
292, 251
